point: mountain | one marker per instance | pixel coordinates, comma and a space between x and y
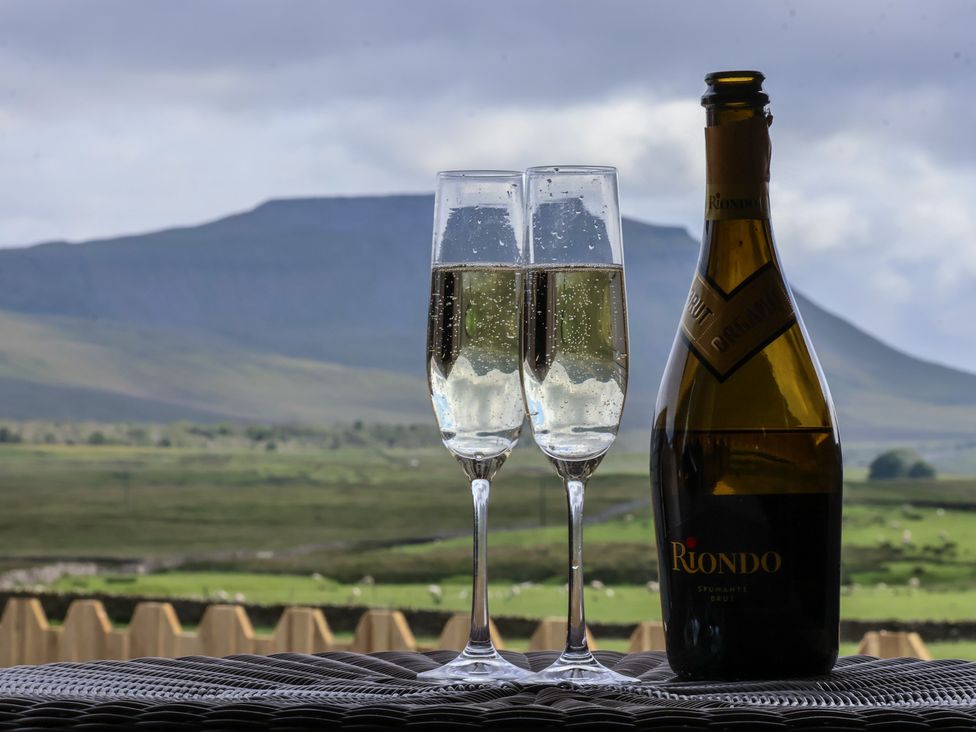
315, 310
58, 368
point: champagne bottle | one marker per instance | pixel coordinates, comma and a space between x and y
745, 456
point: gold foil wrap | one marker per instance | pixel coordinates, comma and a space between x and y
725, 330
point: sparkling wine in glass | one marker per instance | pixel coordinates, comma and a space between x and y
473, 342
574, 369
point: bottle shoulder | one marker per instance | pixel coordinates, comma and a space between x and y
733, 250
780, 387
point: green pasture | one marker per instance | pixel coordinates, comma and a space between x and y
896, 545
604, 603
306, 526
403, 515
124, 501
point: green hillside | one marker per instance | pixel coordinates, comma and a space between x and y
884, 394
68, 368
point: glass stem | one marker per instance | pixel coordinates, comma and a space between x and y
480, 637
576, 628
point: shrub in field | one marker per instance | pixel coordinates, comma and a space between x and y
8, 435
900, 463
97, 438
921, 469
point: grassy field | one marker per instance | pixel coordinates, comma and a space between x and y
67, 367
269, 524
133, 501
307, 512
604, 603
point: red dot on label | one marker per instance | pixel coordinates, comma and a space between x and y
690, 542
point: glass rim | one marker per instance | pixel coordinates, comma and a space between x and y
572, 170
488, 174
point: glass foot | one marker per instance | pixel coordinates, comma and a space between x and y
579, 668
476, 667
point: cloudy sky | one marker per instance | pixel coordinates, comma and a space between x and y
118, 117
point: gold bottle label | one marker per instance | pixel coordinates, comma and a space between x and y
725, 330
725, 201
686, 558
724, 577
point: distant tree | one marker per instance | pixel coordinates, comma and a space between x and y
921, 469
138, 435
97, 438
899, 463
8, 435
887, 465
891, 464
259, 433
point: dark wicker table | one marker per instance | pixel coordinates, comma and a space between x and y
378, 691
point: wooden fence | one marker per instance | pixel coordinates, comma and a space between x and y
26, 636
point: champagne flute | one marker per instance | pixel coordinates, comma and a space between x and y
473, 342
574, 368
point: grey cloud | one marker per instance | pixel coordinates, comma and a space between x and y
830, 64
119, 115
509, 49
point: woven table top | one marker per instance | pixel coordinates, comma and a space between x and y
296, 691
